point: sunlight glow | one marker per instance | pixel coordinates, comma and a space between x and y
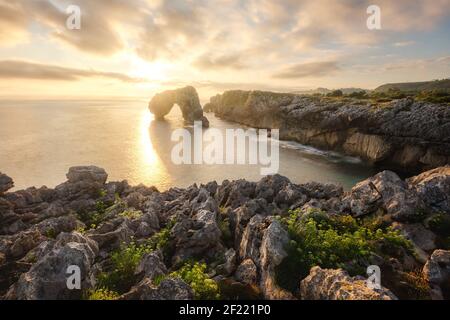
147, 70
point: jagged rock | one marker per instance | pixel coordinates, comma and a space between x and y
24, 242
270, 186
263, 242
272, 253
168, 289
87, 173
151, 265
6, 183
330, 284
195, 236
235, 193
388, 191
112, 234
240, 217
437, 273
186, 98
84, 182
229, 266
291, 196
251, 239
53, 226
433, 187
247, 272
47, 278
422, 238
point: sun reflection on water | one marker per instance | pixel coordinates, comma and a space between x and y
152, 168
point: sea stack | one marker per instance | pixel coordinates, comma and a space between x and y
186, 98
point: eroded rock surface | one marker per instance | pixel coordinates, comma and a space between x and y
329, 284
236, 228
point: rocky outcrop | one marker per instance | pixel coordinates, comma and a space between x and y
186, 98
403, 133
236, 228
329, 284
437, 273
47, 278
6, 183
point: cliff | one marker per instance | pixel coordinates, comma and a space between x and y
134, 242
405, 134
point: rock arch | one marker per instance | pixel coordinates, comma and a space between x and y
186, 98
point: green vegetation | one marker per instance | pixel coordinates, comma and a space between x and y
335, 93
194, 274
224, 226
442, 85
338, 241
102, 294
125, 260
434, 96
161, 240
51, 233
131, 214
93, 218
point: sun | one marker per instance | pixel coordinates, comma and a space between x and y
155, 71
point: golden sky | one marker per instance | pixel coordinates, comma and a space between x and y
133, 48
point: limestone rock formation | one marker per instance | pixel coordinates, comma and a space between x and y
403, 133
186, 98
437, 273
329, 284
236, 228
6, 183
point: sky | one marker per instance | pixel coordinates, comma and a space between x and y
135, 48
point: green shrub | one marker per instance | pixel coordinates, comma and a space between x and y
193, 273
51, 233
93, 218
102, 294
434, 96
131, 214
330, 242
124, 262
224, 226
335, 93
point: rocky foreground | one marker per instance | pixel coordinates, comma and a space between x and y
404, 133
227, 241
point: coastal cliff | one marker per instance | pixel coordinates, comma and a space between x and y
403, 134
234, 240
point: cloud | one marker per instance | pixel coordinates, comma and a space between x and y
101, 21
13, 22
227, 61
17, 69
311, 69
404, 43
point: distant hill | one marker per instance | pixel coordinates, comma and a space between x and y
326, 91
416, 86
